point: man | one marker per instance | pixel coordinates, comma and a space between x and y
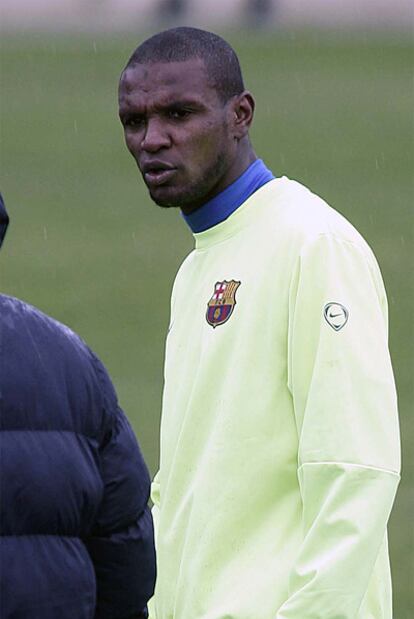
76, 533
279, 435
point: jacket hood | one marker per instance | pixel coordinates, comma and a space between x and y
4, 220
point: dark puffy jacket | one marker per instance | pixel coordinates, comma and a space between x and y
76, 532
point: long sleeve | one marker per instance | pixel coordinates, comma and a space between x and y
342, 385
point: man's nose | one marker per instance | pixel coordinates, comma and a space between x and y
156, 136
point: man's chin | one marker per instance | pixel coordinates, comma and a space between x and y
164, 198
170, 196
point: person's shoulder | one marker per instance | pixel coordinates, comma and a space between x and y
304, 216
185, 269
24, 318
29, 335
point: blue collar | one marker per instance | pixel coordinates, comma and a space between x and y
225, 203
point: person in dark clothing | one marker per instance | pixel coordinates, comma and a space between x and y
76, 533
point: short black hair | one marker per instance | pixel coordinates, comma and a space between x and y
184, 43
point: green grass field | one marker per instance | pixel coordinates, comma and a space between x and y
87, 245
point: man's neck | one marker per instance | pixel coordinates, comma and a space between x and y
239, 166
221, 206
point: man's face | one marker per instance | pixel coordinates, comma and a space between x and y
178, 131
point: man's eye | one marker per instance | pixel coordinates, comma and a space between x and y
178, 114
134, 122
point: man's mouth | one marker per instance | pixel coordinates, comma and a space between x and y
157, 173
158, 177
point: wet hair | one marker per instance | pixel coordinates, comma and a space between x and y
184, 43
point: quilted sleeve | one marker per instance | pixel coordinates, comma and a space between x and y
121, 544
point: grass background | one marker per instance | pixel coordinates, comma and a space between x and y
87, 245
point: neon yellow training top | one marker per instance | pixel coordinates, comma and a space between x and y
279, 435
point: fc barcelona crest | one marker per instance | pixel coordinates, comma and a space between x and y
222, 303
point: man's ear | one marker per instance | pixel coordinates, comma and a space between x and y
242, 114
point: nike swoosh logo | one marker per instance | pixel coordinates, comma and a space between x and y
338, 319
